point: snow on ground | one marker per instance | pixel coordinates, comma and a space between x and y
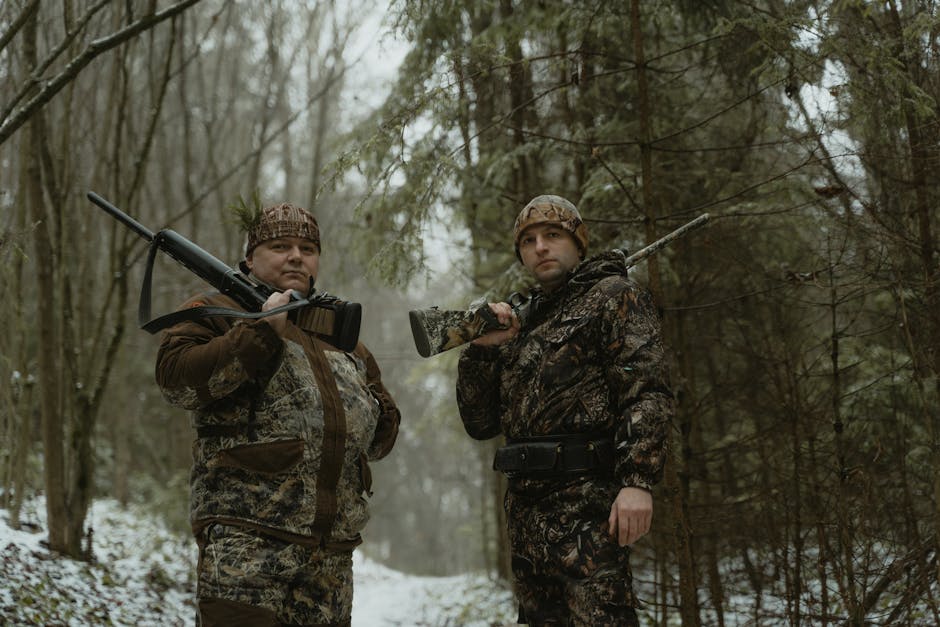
142, 575
387, 597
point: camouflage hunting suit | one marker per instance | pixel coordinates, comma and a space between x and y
589, 360
280, 476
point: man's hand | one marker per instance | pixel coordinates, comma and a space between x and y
506, 317
630, 515
278, 321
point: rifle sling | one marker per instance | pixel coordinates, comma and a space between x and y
322, 324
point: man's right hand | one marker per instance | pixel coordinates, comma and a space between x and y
278, 321
506, 317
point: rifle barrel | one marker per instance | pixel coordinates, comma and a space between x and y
664, 240
128, 221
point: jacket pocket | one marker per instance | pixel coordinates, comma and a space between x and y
566, 346
268, 458
564, 329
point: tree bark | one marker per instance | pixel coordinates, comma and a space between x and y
49, 357
678, 468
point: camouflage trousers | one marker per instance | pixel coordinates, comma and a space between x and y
567, 569
259, 580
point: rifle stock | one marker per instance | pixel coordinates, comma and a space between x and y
437, 330
335, 320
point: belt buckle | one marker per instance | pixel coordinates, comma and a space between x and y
579, 457
542, 456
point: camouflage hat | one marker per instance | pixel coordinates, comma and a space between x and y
284, 220
554, 210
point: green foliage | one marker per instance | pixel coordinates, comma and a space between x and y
247, 214
801, 386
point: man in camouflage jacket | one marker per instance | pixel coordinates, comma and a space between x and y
285, 426
581, 394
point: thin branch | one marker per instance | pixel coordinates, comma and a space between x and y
76, 65
37, 72
18, 23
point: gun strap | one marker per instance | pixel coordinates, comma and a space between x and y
143, 307
321, 324
316, 319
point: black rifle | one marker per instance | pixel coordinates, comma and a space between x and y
336, 321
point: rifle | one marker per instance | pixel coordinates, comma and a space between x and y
336, 321
435, 330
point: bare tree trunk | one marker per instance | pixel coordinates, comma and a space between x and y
844, 520
318, 139
519, 91
921, 156
795, 510
49, 357
714, 550
484, 104
319, 130
678, 467
17, 400
21, 415
17, 392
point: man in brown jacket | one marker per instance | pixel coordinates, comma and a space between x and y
285, 427
581, 394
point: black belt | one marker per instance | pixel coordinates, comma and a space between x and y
555, 456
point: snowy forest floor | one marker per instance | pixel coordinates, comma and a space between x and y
142, 575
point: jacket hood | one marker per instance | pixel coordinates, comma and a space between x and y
582, 278
593, 269
587, 273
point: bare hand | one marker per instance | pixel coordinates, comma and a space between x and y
630, 515
278, 321
506, 317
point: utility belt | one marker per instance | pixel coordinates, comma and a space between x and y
555, 456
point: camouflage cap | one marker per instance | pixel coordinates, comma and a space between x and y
555, 210
284, 220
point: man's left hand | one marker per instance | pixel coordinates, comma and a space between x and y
630, 515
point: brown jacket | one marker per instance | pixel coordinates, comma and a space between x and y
285, 428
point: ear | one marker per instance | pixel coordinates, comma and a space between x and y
248, 260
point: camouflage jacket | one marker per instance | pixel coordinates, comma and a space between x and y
285, 428
588, 360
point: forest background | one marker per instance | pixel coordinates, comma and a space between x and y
803, 323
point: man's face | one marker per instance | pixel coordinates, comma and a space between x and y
286, 262
549, 252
